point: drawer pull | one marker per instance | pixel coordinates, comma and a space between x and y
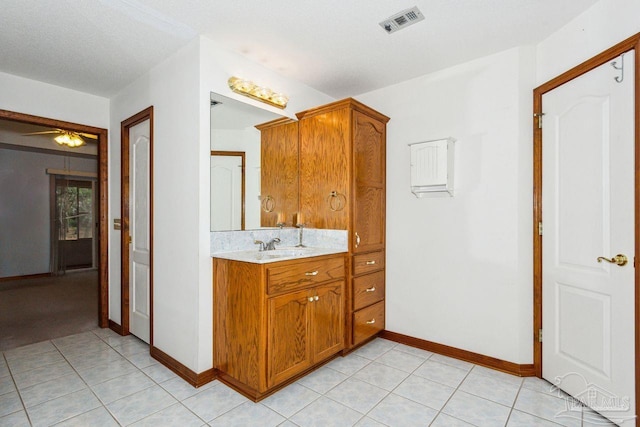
311, 273
316, 298
370, 263
371, 322
371, 289
310, 299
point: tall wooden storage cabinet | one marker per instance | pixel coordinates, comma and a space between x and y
279, 171
342, 184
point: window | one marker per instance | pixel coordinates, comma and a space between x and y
74, 205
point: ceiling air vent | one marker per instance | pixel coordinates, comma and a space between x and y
402, 20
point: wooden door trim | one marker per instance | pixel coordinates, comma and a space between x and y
103, 201
632, 43
242, 155
146, 114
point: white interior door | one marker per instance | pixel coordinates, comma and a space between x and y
226, 193
139, 229
588, 212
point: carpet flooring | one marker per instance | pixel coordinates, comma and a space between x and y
40, 309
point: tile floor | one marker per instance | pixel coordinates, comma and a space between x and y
99, 378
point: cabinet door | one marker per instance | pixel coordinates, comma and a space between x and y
289, 345
325, 168
278, 173
369, 139
328, 320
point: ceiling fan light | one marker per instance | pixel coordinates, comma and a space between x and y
69, 139
63, 139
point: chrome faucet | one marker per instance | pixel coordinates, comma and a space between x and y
269, 246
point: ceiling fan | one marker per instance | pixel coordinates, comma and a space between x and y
67, 137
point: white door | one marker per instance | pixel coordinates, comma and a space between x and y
588, 212
140, 244
226, 193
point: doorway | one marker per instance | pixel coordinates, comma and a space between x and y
102, 197
584, 192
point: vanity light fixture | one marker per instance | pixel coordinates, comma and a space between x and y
259, 93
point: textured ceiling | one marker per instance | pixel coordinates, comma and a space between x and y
335, 46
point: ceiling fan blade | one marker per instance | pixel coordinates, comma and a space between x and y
41, 133
87, 135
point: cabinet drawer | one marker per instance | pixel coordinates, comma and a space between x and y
289, 276
368, 289
368, 322
366, 263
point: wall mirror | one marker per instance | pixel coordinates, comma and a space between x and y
235, 163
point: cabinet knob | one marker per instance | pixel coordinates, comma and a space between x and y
370, 263
310, 299
311, 273
316, 298
371, 322
371, 289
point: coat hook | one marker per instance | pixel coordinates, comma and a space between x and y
620, 67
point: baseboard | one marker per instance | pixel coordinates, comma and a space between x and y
24, 277
115, 327
182, 371
526, 370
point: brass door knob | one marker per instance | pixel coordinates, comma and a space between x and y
619, 259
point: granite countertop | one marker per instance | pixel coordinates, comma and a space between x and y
279, 254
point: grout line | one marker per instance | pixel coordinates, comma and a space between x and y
24, 407
88, 386
514, 402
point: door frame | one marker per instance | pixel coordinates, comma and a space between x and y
632, 43
146, 114
103, 202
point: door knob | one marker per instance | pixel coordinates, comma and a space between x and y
619, 259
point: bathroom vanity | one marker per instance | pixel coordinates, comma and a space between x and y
279, 314
276, 319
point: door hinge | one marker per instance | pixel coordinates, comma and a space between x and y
540, 228
539, 116
540, 335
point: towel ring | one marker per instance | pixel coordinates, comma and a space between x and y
268, 204
337, 201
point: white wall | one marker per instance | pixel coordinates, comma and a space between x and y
459, 270
172, 88
24, 210
603, 25
454, 270
42, 99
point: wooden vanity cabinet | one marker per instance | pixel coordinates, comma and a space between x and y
342, 149
278, 170
275, 321
306, 327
